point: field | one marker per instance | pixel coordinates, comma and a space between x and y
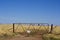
6, 32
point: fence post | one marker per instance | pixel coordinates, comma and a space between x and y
13, 28
51, 28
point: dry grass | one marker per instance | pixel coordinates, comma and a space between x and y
51, 37
7, 29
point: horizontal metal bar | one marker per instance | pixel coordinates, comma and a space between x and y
33, 23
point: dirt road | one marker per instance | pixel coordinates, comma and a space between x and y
38, 37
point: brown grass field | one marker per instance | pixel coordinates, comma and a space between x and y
6, 32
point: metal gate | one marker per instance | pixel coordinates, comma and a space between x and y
33, 27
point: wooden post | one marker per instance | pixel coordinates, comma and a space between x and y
51, 28
13, 28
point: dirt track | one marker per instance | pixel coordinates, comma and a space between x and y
27, 38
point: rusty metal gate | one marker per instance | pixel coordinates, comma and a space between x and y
33, 27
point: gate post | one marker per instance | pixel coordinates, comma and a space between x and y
51, 28
13, 28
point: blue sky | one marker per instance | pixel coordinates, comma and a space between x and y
30, 11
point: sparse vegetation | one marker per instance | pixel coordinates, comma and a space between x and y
51, 37
6, 31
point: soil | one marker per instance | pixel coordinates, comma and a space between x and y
22, 37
